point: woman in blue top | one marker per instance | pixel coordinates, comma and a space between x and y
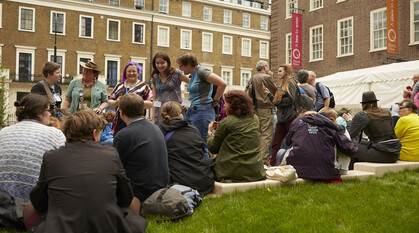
201, 106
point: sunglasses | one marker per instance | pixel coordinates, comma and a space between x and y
402, 108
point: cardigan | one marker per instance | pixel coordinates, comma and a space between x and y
99, 95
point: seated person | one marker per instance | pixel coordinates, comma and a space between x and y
79, 178
22, 146
106, 138
312, 140
236, 141
185, 149
141, 148
382, 145
407, 130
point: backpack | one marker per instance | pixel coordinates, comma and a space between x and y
251, 91
174, 201
332, 97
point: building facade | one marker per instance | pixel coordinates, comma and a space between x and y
227, 36
341, 35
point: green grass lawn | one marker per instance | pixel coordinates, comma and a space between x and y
387, 204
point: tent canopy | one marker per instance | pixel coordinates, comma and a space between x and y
387, 81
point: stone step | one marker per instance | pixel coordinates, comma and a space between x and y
382, 168
352, 174
221, 188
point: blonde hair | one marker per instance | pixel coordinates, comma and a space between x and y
54, 122
330, 112
288, 78
170, 110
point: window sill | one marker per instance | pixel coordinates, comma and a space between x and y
378, 50
345, 55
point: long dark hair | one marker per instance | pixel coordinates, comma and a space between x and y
166, 58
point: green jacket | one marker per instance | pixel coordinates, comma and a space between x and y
99, 95
237, 145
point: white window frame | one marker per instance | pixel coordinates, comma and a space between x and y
227, 69
207, 13
338, 1
317, 42
183, 33
246, 20
231, 45
52, 22
228, 16
60, 52
25, 49
82, 54
141, 7
167, 43
266, 52
204, 49
1, 16
264, 22
119, 3
288, 8
247, 71
117, 58
92, 26
372, 37
20, 19
412, 23
313, 2
186, 9
133, 33
339, 38
119, 29
1, 50
164, 6
288, 48
140, 60
249, 52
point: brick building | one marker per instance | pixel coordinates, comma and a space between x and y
341, 35
227, 36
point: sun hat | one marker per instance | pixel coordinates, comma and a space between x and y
368, 96
90, 65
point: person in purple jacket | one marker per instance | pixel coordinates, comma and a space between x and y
312, 139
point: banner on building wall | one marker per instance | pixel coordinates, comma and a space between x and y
392, 26
296, 40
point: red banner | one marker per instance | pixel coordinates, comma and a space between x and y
392, 26
296, 40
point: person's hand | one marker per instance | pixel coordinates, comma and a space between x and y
347, 116
211, 127
406, 92
266, 90
97, 110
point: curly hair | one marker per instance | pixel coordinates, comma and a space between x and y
31, 106
240, 103
170, 110
80, 125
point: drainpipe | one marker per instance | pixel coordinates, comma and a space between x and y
151, 39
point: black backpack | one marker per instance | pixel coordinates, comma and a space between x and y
332, 97
251, 91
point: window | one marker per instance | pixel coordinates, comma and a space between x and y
264, 50
26, 19
58, 22
228, 45
114, 2
112, 69
245, 74
291, 7
227, 16
246, 47
246, 20
139, 4
25, 63
141, 62
414, 22
185, 39
83, 57
264, 23
207, 13
378, 25
86, 26
163, 36
345, 37
288, 48
227, 74
164, 6
60, 59
113, 29
138, 33
316, 43
316, 4
186, 9
207, 42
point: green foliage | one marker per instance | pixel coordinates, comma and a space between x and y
3, 97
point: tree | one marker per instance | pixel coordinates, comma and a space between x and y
4, 105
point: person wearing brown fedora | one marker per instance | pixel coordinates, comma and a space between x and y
86, 92
382, 145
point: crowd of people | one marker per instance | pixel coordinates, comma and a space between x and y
90, 172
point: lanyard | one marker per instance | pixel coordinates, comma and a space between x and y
193, 77
127, 90
161, 89
53, 87
81, 91
136, 119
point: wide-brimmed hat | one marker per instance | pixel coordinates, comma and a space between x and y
90, 65
368, 96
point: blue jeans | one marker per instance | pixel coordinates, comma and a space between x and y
200, 116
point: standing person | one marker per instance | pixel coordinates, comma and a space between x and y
201, 110
52, 74
166, 82
407, 130
82, 186
263, 106
142, 149
286, 101
414, 95
86, 92
322, 95
130, 84
22, 147
185, 149
408, 92
302, 77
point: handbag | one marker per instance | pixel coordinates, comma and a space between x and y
282, 173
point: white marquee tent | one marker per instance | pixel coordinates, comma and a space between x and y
387, 81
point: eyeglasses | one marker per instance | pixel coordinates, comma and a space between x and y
180, 66
402, 108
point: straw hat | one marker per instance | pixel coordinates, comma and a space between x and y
90, 65
368, 96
